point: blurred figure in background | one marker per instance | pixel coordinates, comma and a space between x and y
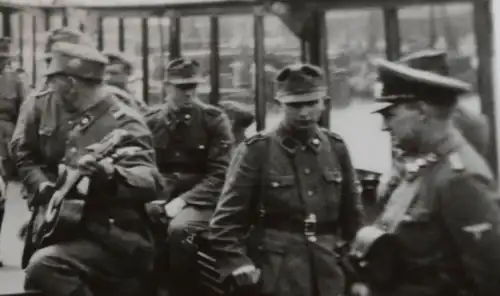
241, 117
117, 75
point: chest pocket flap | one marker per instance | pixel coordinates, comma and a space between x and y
280, 181
332, 176
46, 131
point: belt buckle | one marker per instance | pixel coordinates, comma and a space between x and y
310, 228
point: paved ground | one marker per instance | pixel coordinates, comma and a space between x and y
11, 276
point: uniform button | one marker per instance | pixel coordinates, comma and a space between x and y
72, 149
310, 193
303, 148
315, 141
307, 171
85, 120
111, 221
187, 116
312, 238
177, 154
275, 184
201, 147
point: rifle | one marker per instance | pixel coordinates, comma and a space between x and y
58, 220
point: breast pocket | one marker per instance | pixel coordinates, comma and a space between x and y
333, 179
281, 192
418, 231
49, 143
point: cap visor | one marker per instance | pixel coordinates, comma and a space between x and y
421, 76
184, 80
310, 97
379, 107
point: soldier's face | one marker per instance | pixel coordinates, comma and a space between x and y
303, 115
404, 122
116, 75
176, 97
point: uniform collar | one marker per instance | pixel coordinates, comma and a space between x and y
291, 144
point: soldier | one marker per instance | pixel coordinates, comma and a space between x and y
295, 187
12, 94
474, 127
193, 142
113, 246
63, 34
443, 217
118, 72
241, 117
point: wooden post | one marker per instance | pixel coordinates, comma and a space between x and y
121, 35
392, 38
65, 21
317, 44
483, 26
214, 61
6, 22
21, 38
259, 53
34, 30
145, 59
46, 19
100, 33
175, 37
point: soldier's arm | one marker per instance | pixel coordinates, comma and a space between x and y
25, 150
208, 190
137, 178
471, 215
234, 211
351, 208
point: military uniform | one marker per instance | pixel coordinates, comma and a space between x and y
63, 34
449, 237
121, 91
12, 94
193, 146
473, 127
301, 197
241, 117
113, 246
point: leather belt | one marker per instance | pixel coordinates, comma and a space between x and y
300, 226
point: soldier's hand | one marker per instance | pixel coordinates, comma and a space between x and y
246, 275
360, 289
174, 207
89, 165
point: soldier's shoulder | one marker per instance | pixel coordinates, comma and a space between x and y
210, 110
332, 135
466, 160
38, 94
123, 112
258, 138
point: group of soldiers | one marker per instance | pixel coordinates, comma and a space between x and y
275, 206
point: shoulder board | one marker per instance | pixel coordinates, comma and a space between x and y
43, 92
210, 109
255, 138
456, 162
152, 112
332, 134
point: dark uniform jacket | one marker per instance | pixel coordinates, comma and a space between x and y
12, 94
193, 151
127, 98
283, 182
47, 135
450, 237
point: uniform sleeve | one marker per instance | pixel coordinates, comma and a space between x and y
351, 208
137, 177
24, 148
472, 217
231, 220
206, 192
